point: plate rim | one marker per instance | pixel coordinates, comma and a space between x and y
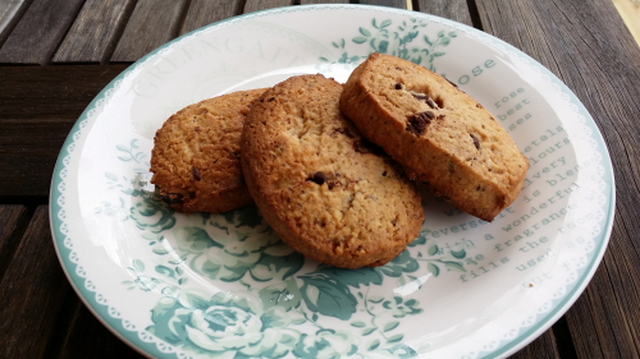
133, 338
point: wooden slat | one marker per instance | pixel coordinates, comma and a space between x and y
153, 23
84, 336
95, 31
28, 152
605, 321
33, 286
456, 10
205, 12
587, 45
39, 32
10, 232
257, 5
400, 4
544, 347
630, 12
51, 92
38, 107
10, 12
307, 2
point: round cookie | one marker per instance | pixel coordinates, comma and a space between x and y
196, 155
438, 133
325, 190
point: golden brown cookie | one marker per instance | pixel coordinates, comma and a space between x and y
196, 155
438, 133
325, 190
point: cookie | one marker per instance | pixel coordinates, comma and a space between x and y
196, 155
326, 191
438, 133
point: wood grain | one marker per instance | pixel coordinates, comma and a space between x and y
28, 153
35, 120
95, 31
10, 232
308, 2
10, 12
205, 12
82, 328
544, 347
606, 78
51, 92
152, 23
400, 4
601, 325
33, 288
456, 10
39, 32
257, 5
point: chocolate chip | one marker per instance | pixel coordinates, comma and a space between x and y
271, 99
476, 142
418, 122
196, 174
425, 97
398, 86
318, 178
384, 174
420, 96
172, 198
432, 104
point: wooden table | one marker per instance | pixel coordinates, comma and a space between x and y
56, 55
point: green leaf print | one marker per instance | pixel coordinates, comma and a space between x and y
365, 32
198, 239
454, 266
390, 326
383, 38
433, 269
374, 345
359, 39
327, 296
354, 278
403, 263
246, 216
284, 294
459, 254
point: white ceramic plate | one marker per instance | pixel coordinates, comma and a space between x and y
224, 285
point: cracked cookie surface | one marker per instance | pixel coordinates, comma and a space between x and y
328, 193
438, 133
196, 155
